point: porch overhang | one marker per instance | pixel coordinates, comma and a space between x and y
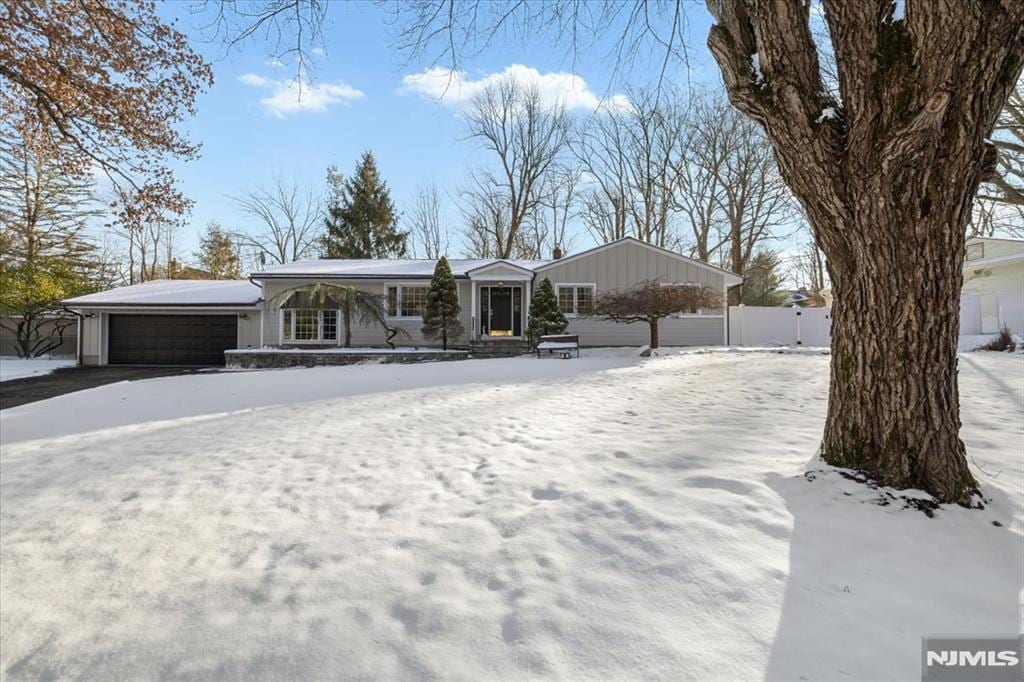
501, 270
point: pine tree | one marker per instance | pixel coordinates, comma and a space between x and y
218, 253
762, 282
361, 218
441, 317
45, 253
545, 315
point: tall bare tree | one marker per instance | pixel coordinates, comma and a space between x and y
527, 136
631, 155
148, 231
700, 194
486, 212
288, 221
429, 234
886, 167
1006, 185
548, 227
730, 190
999, 206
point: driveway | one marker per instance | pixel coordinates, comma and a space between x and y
70, 379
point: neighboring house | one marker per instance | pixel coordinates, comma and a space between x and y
193, 322
993, 288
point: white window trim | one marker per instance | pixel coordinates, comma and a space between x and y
320, 340
398, 302
575, 302
713, 316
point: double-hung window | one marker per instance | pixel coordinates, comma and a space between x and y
576, 299
308, 325
406, 301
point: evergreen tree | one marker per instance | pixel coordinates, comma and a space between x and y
45, 253
361, 218
218, 253
441, 317
762, 282
545, 315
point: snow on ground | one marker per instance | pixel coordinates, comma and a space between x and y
19, 368
203, 395
544, 519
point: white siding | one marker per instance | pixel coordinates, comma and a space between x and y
625, 265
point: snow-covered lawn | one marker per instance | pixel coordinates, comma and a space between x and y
608, 518
18, 368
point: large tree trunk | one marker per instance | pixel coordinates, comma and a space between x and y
893, 408
654, 333
886, 171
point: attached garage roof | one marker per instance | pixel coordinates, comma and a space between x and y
174, 292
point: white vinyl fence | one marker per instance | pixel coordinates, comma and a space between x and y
765, 326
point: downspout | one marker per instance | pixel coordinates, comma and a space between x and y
78, 335
262, 307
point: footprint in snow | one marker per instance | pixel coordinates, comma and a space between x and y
620, 454
549, 493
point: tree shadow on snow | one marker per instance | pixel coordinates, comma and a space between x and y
868, 578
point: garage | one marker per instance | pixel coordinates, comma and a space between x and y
170, 339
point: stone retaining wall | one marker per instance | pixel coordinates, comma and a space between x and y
248, 359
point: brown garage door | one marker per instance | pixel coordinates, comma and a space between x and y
170, 339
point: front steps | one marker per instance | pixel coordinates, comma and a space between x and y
498, 348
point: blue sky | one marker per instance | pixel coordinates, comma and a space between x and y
251, 127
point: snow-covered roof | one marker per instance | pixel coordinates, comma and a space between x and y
174, 292
372, 268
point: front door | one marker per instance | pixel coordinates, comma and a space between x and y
501, 311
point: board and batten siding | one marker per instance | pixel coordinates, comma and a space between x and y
622, 266
362, 335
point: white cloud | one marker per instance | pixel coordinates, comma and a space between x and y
299, 94
274, 63
457, 90
254, 80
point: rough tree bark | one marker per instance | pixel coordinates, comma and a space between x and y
886, 173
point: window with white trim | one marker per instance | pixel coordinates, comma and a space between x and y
576, 299
307, 325
406, 301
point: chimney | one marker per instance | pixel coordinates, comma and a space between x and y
556, 253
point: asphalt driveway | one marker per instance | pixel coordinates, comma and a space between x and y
70, 379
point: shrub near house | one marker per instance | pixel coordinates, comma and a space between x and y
651, 302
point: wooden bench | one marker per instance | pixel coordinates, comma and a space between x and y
564, 344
